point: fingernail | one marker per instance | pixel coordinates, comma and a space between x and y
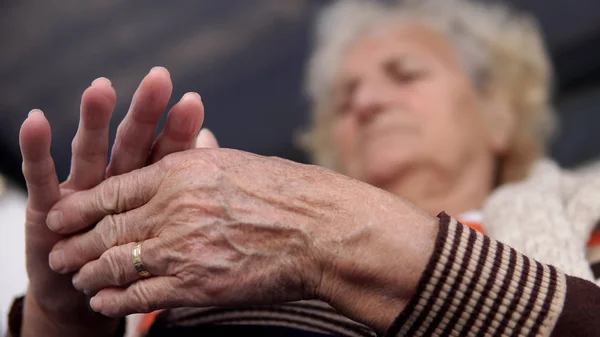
57, 260
66, 191
159, 68
96, 304
201, 137
102, 80
191, 95
54, 220
206, 139
75, 280
35, 111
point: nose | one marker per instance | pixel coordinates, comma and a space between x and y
369, 100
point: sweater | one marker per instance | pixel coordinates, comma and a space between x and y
549, 217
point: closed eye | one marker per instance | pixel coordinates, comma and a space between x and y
344, 96
401, 73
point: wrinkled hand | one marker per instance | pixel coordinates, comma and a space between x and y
224, 227
52, 293
203, 223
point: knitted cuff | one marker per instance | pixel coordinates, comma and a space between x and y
476, 286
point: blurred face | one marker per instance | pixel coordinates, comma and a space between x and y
403, 103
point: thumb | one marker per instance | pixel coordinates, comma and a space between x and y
206, 139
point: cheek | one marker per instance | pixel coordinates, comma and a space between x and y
453, 129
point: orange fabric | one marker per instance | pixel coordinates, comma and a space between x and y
147, 321
594, 238
475, 225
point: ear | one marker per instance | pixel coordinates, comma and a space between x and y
500, 122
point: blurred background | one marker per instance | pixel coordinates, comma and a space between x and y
245, 57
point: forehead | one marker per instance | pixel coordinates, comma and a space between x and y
413, 42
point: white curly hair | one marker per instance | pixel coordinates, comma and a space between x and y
499, 49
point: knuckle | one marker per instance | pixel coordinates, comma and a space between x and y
168, 161
75, 143
110, 227
39, 174
87, 152
140, 295
115, 272
77, 249
108, 198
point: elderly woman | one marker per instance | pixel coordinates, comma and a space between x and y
442, 102
439, 106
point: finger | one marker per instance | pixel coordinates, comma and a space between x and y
182, 126
90, 145
136, 132
206, 139
115, 267
38, 166
113, 230
118, 194
140, 297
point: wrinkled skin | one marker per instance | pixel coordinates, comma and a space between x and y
224, 227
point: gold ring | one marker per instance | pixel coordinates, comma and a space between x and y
136, 256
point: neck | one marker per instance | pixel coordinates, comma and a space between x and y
435, 190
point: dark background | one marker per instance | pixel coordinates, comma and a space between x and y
245, 57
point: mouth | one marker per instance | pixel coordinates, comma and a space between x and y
385, 130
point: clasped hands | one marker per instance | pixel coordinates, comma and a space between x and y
221, 227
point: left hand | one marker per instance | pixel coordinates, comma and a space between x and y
224, 227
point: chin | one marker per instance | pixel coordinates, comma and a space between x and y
379, 170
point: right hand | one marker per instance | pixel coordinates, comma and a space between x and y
51, 298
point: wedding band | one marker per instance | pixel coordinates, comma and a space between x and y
136, 257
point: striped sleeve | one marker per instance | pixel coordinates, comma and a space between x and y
476, 286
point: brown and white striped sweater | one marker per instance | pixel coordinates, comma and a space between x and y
472, 286
476, 286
